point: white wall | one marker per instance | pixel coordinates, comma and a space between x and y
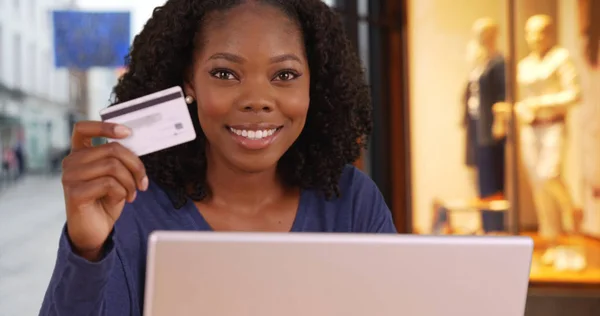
568, 37
583, 167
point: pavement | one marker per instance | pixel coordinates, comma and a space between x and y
31, 219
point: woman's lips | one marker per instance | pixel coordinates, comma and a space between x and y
254, 138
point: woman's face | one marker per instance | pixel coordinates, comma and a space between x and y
251, 82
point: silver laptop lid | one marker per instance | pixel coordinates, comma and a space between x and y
269, 274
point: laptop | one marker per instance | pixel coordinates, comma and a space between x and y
326, 274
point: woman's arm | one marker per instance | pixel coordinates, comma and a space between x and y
82, 287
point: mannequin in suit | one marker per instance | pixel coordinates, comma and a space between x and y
486, 86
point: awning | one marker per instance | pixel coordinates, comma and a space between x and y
8, 120
14, 94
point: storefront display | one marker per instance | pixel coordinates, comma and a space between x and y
548, 87
526, 109
486, 87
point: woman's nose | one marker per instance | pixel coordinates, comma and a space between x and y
257, 98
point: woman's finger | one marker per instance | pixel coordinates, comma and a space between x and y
111, 166
85, 131
110, 150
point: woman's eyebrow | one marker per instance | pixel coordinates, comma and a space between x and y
229, 57
240, 60
285, 57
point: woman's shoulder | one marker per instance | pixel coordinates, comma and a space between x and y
359, 190
360, 206
354, 180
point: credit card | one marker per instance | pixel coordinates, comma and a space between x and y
158, 121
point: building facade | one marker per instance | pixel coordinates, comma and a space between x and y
37, 101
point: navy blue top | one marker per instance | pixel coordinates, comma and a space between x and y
115, 285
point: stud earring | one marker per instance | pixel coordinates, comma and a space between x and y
189, 99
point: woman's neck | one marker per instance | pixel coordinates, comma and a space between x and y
240, 190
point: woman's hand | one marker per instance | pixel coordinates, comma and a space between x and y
97, 181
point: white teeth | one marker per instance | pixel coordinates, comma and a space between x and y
253, 134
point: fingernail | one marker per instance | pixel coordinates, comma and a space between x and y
122, 131
134, 196
145, 183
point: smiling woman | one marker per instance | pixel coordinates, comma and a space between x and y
281, 110
262, 66
251, 75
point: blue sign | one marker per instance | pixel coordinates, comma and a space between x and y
91, 39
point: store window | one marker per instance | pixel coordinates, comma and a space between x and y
505, 126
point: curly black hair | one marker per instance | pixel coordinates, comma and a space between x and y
339, 115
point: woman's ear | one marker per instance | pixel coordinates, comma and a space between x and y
188, 83
188, 89
189, 96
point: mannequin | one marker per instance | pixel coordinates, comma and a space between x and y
548, 88
486, 87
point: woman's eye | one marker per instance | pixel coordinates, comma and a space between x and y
223, 75
286, 76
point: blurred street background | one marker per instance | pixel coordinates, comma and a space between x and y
59, 60
31, 219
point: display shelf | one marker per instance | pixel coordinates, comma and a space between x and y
546, 274
546, 277
470, 216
